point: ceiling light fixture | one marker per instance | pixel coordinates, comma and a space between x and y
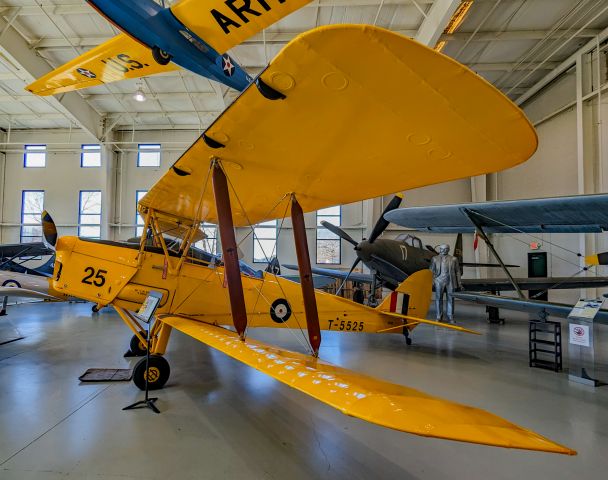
139, 95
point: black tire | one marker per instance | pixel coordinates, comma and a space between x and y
159, 373
160, 56
408, 341
94, 309
138, 348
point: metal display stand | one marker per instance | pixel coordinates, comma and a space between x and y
580, 342
145, 314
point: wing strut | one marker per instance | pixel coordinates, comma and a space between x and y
230, 255
473, 217
308, 289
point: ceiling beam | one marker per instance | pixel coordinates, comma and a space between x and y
29, 66
83, 8
561, 68
436, 21
511, 66
282, 38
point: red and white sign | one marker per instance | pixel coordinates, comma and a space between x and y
579, 335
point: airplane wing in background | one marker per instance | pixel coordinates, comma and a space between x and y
117, 59
340, 274
541, 283
376, 401
34, 249
574, 214
526, 305
16, 292
463, 128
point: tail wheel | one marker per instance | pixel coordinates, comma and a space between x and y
160, 56
157, 373
138, 348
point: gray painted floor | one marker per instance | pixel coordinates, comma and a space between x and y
221, 419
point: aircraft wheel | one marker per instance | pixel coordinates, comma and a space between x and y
95, 309
138, 348
158, 373
408, 341
160, 56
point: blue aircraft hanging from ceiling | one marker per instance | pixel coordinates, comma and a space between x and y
192, 34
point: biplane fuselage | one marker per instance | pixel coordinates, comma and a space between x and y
110, 273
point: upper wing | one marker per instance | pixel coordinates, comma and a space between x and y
526, 305
384, 115
540, 283
224, 25
117, 59
354, 276
581, 213
370, 399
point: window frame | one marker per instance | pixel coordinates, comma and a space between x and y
146, 148
137, 215
80, 224
83, 151
338, 240
21, 236
25, 153
258, 244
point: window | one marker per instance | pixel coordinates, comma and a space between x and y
264, 241
148, 155
90, 156
209, 243
139, 220
328, 243
89, 214
34, 156
32, 205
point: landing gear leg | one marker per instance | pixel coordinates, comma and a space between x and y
4, 304
406, 334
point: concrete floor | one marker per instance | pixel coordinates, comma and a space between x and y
221, 419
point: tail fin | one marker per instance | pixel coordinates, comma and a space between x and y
458, 251
412, 296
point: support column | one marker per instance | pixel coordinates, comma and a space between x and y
230, 255
308, 288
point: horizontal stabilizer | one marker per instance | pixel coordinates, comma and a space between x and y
413, 321
119, 58
376, 401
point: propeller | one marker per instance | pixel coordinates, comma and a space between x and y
338, 231
381, 224
49, 231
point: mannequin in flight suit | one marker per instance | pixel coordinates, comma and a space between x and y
446, 279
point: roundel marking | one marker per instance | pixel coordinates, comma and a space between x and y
11, 283
280, 311
86, 73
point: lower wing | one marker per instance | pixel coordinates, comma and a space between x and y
541, 283
119, 58
376, 401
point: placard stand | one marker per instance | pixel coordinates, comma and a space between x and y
580, 342
145, 314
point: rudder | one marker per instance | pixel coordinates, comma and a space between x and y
412, 296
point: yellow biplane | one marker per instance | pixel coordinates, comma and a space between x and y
334, 101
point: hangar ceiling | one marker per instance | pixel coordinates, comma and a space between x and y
512, 43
